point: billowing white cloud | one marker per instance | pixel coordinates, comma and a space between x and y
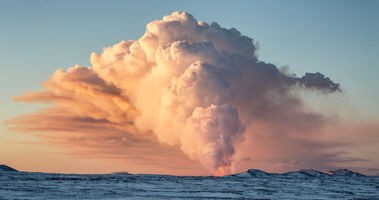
196, 86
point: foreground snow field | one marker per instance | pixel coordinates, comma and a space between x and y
254, 184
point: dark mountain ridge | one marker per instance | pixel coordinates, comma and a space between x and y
307, 173
260, 173
5, 168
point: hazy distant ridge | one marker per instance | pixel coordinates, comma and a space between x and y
306, 173
6, 168
261, 173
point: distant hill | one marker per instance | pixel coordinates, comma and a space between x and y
345, 172
307, 173
5, 168
304, 173
257, 173
121, 173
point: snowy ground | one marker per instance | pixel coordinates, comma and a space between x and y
22, 185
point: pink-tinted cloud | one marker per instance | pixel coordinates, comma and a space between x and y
97, 138
192, 86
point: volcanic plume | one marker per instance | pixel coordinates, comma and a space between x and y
190, 84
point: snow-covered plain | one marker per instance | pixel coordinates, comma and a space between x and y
254, 184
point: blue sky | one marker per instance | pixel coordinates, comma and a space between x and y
335, 37
338, 38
